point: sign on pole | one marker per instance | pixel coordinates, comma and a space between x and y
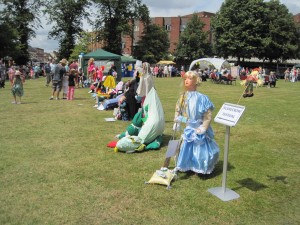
228, 115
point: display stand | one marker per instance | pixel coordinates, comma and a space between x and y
228, 115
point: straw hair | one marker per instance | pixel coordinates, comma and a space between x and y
91, 60
191, 74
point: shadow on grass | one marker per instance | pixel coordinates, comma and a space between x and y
278, 178
250, 184
217, 171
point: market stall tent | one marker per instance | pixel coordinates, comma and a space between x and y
126, 59
127, 66
104, 56
216, 63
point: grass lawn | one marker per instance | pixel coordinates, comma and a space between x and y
55, 167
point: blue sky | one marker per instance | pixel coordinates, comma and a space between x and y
165, 8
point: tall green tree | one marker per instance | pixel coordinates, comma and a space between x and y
153, 45
239, 27
113, 19
24, 17
81, 46
9, 40
281, 40
193, 41
67, 17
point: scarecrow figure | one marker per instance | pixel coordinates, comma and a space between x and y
249, 83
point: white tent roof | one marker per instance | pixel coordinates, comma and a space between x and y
217, 63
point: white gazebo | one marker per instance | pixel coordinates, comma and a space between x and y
216, 63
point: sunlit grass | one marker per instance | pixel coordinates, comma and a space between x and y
55, 167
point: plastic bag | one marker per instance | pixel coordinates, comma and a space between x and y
164, 176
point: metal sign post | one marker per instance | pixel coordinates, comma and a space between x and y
228, 115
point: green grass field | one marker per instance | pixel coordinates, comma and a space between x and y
55, 167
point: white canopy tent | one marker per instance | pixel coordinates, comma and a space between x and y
216, 63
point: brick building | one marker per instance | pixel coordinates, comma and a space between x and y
173, 25
297, 18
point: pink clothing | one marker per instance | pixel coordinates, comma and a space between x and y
99, 75
155, 70
71, 91
91, 67
11, 75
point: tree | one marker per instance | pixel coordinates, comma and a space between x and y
153, 45
193, 41
67, 17
238, 28
114, 18
9, 40
81, 46
255, 28
24, 17
281, 40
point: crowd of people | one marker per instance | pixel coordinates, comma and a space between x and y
164, 71
292, 74
61, 76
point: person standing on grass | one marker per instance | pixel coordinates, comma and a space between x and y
166, 71
58, 78
47, 71
2, 75
287, 75
72, 83
36, 70
272, 80
31, 73
74, 65
170, 67
66, 82
199, 152
17, 87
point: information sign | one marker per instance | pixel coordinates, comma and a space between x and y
229, 114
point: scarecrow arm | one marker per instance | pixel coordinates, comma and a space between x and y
206, 122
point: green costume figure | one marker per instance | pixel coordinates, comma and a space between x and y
134, 128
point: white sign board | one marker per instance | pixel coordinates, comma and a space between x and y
229, 114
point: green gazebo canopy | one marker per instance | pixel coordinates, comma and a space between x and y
101, 54
126, 59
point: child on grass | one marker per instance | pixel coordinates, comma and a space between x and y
17, 87
72, 82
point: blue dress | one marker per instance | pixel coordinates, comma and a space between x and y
198, 152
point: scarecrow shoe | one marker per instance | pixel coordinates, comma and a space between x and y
140, 148
250, 95
245, 95
155, 144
